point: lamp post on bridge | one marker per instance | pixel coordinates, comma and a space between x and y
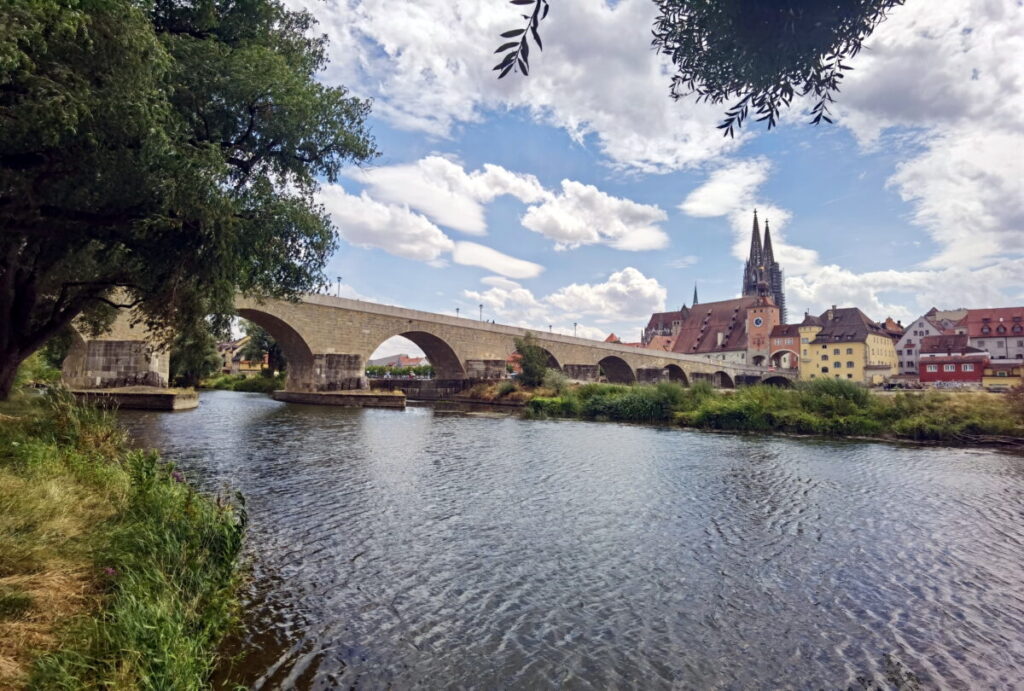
456, 312
574, 329
339, 286
481, 312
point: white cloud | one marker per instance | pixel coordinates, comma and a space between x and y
499, 282
472, 254
627, 294
428, 67
728, 188
442, 190
584, 215
682, 262
617, 304
945, 77
365, 222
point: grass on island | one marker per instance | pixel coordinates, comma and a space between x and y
114, 572
822, 407
239, 382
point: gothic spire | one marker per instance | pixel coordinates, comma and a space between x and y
769, 256
755, 243
695, 293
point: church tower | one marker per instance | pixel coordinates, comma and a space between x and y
762, 274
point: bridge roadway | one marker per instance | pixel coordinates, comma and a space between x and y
328, 341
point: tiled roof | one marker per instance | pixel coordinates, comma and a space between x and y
661, 320
997, 321
846, 324
810, 320
660, 343
947, 343
699, 333
785, 331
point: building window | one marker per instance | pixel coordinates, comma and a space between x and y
849, 376
805, 352
824, 357
839, 364
967, 367
804, 340
836, 351
824, 370
949, 368
981, 343
849, 364
986, 330
931, 368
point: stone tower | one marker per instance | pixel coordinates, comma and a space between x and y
762, 274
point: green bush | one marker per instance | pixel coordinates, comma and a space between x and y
559, 406
556, 381
260, 384
506, 387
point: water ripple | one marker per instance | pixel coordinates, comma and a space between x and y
407, 549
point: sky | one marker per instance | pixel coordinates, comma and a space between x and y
583, 195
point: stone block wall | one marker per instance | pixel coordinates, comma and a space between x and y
110, 364
582, 372
485, 369
338, 372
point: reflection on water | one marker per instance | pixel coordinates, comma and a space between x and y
400, 549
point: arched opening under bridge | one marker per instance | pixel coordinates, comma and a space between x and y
300, 367
723, 381
785, 359
439, 354
616, 370
676, 374
782, 382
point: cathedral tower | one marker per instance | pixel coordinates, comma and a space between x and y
762, 274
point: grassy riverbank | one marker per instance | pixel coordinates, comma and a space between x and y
823, 407
114, 572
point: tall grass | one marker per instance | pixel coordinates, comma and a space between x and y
822, 407
143, 569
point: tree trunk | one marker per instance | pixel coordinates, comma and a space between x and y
8, 368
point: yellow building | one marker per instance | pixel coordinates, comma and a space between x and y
1003, 376
845, 344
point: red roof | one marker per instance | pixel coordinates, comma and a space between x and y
947, 343
699, 333
785, 331
996, 321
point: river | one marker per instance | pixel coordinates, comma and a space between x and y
397, 549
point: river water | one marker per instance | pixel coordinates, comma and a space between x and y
421, 549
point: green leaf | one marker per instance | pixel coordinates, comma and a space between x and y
513, 33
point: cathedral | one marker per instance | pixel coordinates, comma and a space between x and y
762, 272
736, 330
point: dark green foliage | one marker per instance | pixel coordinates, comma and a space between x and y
763, 52
13, 603
826, 407
239, 382
381, 370
760, 52
194, 355
163, 156
261, 343
533, 359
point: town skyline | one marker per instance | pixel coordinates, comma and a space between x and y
544, 200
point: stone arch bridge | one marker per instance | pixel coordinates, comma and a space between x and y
328, 341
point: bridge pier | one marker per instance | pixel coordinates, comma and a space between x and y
332, 372
651, 375
582, 372
485, 369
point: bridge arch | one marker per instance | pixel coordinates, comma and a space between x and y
301, 369
722, 380
676, 374
442, 357
780, 357
776, 380
617, 370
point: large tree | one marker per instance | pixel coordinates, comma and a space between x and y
758, 54
161, 155
262, 343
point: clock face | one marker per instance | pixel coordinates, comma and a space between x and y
758, 321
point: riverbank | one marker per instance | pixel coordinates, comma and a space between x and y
114, 572
824, 407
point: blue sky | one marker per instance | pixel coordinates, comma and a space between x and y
584, 194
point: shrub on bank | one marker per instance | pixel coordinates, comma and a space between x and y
147, 566
239, 382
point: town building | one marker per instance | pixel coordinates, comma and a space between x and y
934, 322
843, 343
949, 360
785, 347
232, 362
998, 330
1003, 376
399, 360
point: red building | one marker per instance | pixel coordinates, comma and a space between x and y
948, 359
785, 347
